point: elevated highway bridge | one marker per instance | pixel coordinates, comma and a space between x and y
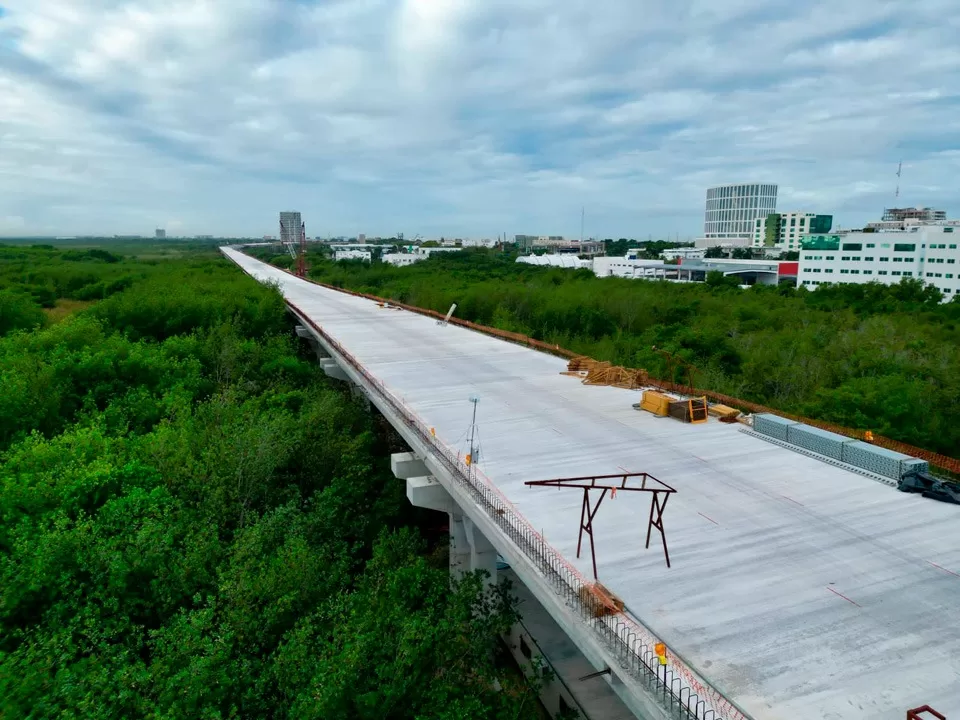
796, 589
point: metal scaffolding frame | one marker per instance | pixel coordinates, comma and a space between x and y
659, 490
924, 713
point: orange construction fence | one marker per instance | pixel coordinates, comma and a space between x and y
600, 372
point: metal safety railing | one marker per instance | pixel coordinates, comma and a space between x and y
680, 688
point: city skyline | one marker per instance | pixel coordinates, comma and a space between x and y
466, 118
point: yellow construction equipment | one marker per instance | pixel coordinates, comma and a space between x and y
699, 409
722, 411
692, 410
656, 402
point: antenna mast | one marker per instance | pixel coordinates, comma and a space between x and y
899, 169
472, 457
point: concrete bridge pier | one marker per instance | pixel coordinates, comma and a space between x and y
319, 351
469, 548
538, 637
459, 547
329, 365
332, 370
483, 556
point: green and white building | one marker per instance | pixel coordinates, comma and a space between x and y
785, 230
928, 252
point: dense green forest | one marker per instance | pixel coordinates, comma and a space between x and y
882, 358
194, 523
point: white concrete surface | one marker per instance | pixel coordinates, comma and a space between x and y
799, 589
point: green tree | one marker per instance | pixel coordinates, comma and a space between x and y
194, 523
18, 312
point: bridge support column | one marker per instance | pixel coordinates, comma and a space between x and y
358, 393
469, 549
483, 556
312, 342
332, 370
459, 547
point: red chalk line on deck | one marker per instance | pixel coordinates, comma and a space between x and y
709, 518
843, 596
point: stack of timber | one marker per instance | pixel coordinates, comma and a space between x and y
601, 600
723, 412
581, 362
603, 373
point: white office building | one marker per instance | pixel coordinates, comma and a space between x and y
480, 242
425, 252
732, 211
784, 231
571, 262
364, 255
684, 253
402, 259
631, 267
927, 252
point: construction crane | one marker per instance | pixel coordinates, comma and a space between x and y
302, 256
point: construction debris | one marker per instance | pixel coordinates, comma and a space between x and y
930, 487
604, 602
604, 373
692, 410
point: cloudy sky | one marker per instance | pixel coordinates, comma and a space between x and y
468, 117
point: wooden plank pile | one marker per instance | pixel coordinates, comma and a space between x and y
604, 373
601, 600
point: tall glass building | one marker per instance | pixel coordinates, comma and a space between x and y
732, 211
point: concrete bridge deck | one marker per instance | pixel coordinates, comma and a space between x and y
798, 589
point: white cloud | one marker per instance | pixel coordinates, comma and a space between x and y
466, 116
12, 224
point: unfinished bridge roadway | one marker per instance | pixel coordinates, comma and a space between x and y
797, 589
